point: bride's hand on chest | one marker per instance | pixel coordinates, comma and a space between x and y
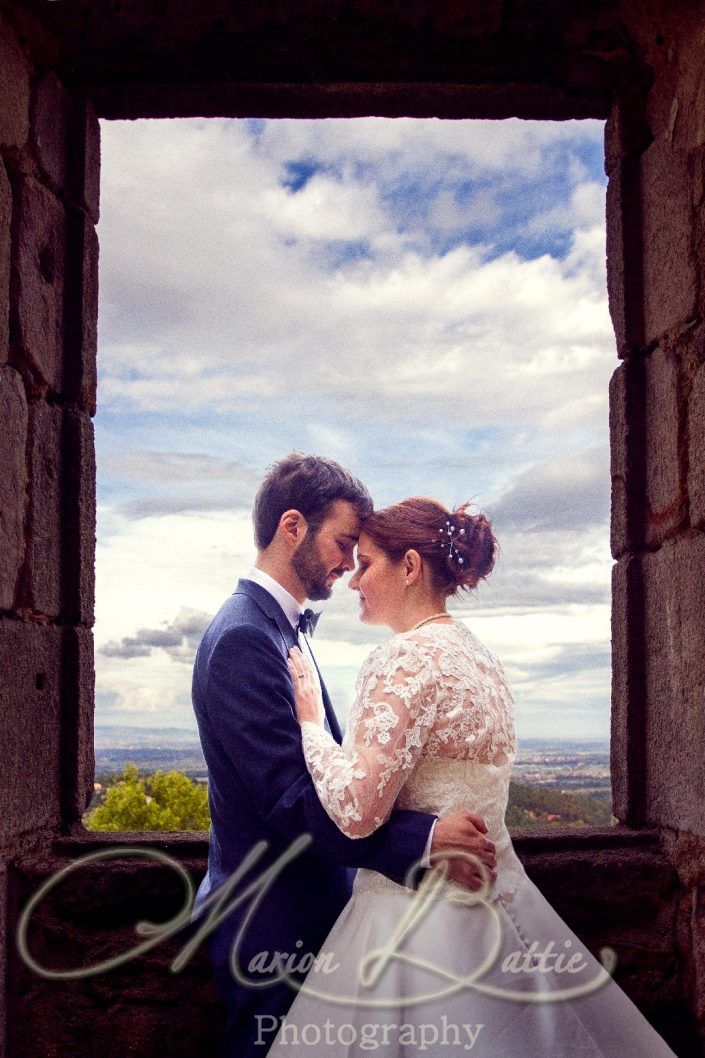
307, 688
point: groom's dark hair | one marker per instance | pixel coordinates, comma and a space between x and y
310, 484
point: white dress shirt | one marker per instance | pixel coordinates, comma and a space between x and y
293, 609
291, 606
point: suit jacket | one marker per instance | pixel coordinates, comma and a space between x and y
259, 787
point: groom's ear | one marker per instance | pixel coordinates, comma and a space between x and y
293, 526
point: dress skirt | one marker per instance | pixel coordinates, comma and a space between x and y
430, 974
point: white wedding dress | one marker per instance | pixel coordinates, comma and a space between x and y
432, 728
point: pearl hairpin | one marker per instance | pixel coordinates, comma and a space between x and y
450, 531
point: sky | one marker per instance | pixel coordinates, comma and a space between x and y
422, 300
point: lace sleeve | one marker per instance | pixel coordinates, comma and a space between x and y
358, 783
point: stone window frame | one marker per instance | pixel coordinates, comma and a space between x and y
458, 64
638, 66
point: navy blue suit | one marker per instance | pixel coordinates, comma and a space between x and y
259, 788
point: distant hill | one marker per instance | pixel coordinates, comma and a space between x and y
151, 749
112, 762
538, 806
547, 745
115, 735
119, 735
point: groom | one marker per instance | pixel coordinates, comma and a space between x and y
306, 516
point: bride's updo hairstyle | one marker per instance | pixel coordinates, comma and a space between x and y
459, 548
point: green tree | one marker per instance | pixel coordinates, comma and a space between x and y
163, 801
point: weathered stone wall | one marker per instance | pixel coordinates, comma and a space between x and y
48, 310
638, 61
615, 889
656, 267
141, 1007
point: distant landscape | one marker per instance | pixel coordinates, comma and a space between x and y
152, 749
556, 782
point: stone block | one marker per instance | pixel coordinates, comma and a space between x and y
78, 757
697, 932
619, 451
89, 319
674, 668
696, 449
14, 89
665, 494
65, 139
81, 311
689, 117
44, 544
49, 128
91, 161
79, 519
697, 168
13, 445
619, 716
628, 717
5, 247
30, 666
687, 854
58, 575
688, 121
669, 267
5, 943
624, 264
627, 456
662, 102
627, 133
39, 268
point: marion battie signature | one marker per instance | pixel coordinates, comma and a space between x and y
532, 959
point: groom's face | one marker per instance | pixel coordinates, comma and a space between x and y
326, 553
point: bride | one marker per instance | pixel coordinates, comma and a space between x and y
439, 971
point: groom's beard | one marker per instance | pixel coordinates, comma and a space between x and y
310, 569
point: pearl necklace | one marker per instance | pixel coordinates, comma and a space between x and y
426, 620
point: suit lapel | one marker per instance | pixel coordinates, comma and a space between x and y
269, 605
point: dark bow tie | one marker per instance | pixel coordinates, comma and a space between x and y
308, 622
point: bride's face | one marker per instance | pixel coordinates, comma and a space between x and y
379, 583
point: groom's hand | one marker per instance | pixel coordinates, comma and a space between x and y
464, 833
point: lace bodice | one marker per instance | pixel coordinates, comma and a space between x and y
431, 728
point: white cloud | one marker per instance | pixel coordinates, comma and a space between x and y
236, 296
404, 145
147, 694
148, 569
446, 213
325, 209
561, 493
